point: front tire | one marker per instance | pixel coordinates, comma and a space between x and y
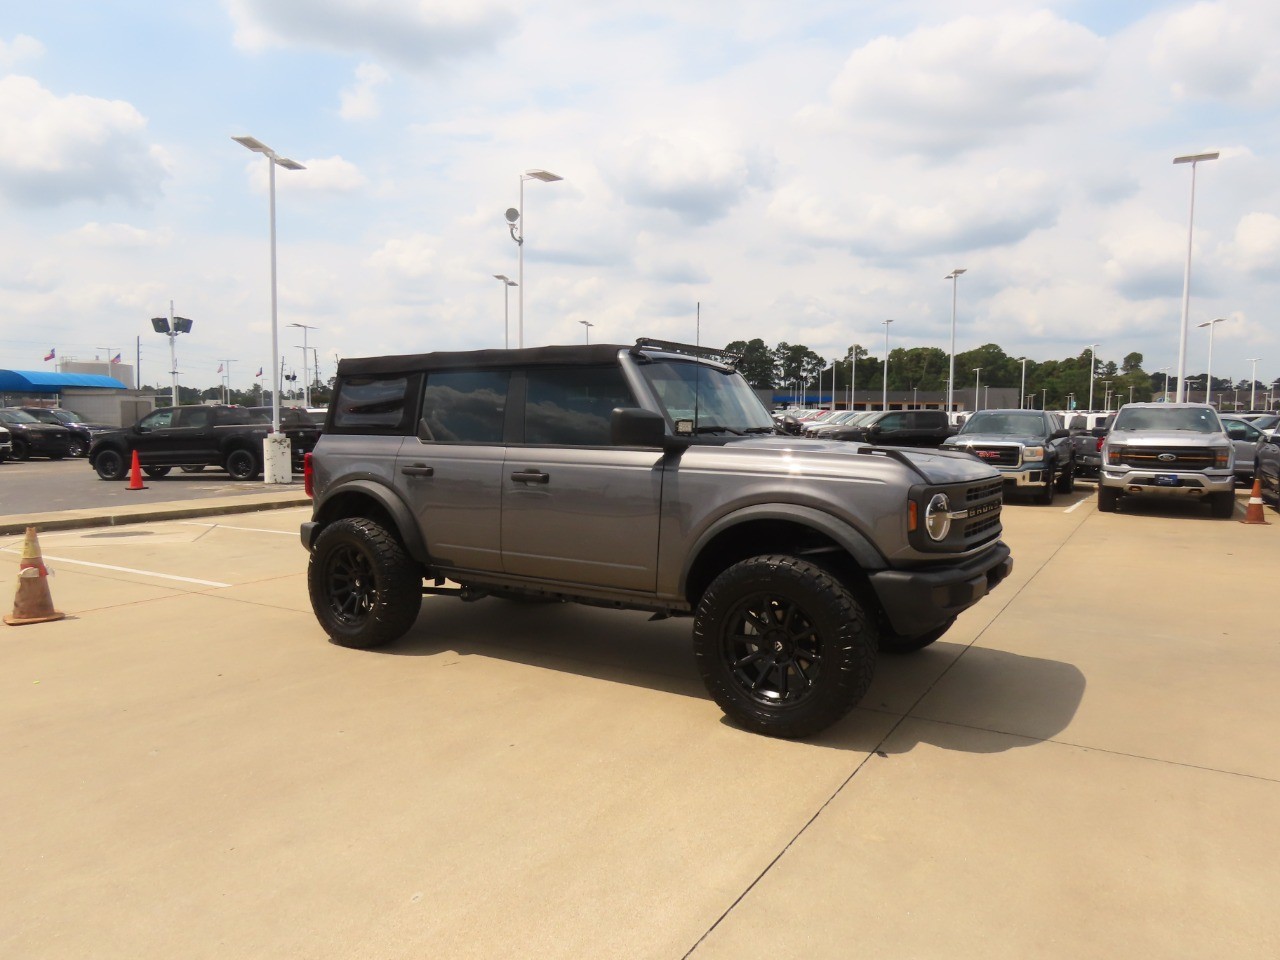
1045, 496
109, 465
1108, 499
1223, 505
20, 450
77, 449
242, 465
783, 647
1067, 479
365, 588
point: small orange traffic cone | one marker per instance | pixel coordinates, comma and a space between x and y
1253, 512
32, 603
135, 475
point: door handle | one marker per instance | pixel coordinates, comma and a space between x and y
418, 470
530, 476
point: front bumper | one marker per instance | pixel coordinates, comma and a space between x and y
918, 600
1030, 475
1173, 484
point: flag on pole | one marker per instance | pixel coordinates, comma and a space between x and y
51, 354
116, 358
259, 373
219, 368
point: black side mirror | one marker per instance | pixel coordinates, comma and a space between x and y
635, 427
1059, 434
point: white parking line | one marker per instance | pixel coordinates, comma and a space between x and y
141, 573
1076, 504
228, 526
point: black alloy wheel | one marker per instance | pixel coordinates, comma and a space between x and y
78, 448
783, 647
242, 465
109, 465
365, 588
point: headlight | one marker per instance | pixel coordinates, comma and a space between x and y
1222, 459
1033, 453
937, 517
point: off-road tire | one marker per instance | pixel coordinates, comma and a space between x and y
783, 647
1067, 479
1108, 499
1223, 505
110, 465
365, 589
242, 465
155, 473
894, 643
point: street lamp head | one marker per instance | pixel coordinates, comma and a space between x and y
955, 273
546, 176
1196, 157
289, 164
1210, 323
160, 324
505, 279
257, 146
181, 325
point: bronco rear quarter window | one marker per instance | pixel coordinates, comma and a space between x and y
380, 405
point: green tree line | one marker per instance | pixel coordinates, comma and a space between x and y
925, 369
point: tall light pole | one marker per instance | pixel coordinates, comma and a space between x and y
586, 327
951, 370
853, 376
977, 379
515, 222
306, 370
1192, 159
171, 326
1023, 391
1165, 371
1208, 370
1253, 379
884, 403
507, 284
275, 446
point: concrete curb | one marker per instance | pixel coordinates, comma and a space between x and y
146, 513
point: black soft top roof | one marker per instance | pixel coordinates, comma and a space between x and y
468, 359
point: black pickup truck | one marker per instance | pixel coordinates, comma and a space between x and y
1031, 449
189, 437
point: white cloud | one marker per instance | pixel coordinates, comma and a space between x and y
121, 235
322, 175
360, 102
19, 49
406, 258
58, 149
1228, 50
959, 86
1255, 249
414, 36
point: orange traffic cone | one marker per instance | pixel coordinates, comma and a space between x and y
135, 475
32, 603
1253, 512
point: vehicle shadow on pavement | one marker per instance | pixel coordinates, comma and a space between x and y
992, 690
1167, 508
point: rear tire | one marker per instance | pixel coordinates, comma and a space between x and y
109, 465
1067, 479
242, 465
155, 473
783, 647
192, 468
20, 450
365, 588
1108, 499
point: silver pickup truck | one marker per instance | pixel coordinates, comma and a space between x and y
1168, 450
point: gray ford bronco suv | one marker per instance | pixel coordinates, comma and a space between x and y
645, 477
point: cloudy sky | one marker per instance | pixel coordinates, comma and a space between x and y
805, 170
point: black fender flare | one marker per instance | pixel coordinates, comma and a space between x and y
397, 509
861, 549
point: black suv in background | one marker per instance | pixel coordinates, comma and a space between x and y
82, 432
31, 438
296, 424
194, 436
897, 428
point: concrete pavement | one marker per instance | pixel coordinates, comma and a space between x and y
1085, 766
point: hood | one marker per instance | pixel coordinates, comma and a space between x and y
962, 440
836, 458
1166, 438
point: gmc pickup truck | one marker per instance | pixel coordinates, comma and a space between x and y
1031, 449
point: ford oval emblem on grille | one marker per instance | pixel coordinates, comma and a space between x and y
1167, 457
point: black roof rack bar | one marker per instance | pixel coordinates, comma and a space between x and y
670, 346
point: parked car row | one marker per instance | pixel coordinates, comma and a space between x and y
45, 432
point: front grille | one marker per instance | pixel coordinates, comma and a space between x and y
1166, 458
983, 502
998, 455
991, 489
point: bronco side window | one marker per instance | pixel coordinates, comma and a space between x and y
573, 405
372, 405
465, 406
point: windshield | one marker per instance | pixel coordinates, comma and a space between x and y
17, 416
1193, 419
1011, 424
703, 399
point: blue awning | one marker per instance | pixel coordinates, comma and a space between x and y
36, 381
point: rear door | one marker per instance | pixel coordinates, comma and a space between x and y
575, 508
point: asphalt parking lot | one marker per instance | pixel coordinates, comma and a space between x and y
1086, 765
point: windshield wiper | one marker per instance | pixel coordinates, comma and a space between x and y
715, 428
761, 430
